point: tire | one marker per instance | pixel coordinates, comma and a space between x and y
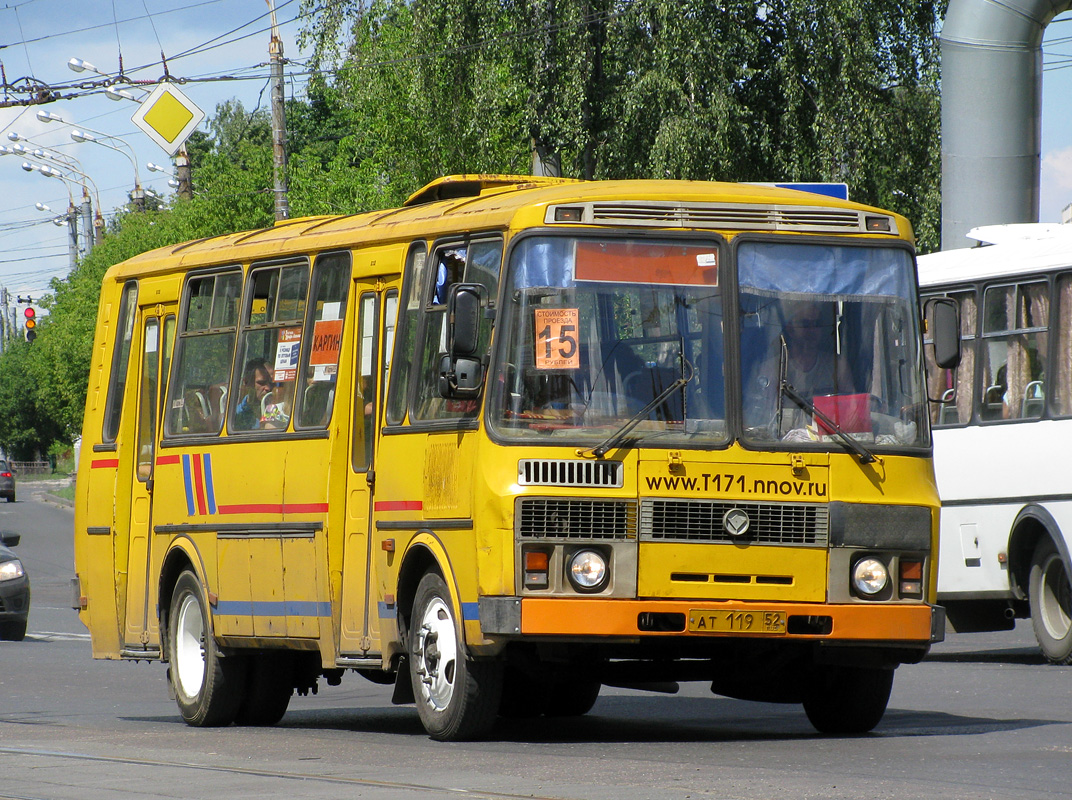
208, 687
1050, 597
13, 630
847, 700
11, 498
269, 686
524, 695
572, 697
457, 698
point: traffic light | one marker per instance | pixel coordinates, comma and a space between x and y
31, 323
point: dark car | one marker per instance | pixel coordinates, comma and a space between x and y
14, 591
7, 481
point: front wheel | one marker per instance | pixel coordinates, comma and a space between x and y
847, 700
457, 698
13, 631
1050, 596
208, 687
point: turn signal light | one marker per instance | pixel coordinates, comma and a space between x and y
537, 563
911, 578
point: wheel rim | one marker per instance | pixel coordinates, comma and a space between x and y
190, 647
436, 654
1056, 598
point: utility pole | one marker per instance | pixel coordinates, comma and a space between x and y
72, 230
185, 188
279, 122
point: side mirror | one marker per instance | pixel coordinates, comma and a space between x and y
943, 324
461, 368
10, 539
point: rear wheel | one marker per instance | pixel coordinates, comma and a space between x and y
208, 687
269, 686
1050, 596
847, 699
457, 698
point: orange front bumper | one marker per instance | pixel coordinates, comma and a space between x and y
591, 617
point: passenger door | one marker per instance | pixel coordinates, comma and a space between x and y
157, 337
377, 309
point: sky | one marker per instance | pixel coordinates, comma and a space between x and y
230, 38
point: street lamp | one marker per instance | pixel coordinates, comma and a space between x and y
111, 92
85, 134
93, 225
173, 182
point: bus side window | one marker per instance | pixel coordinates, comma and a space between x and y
1015, 332
323, 336
954, 388
472, 262
203, 353
1062, 383
124, 333
263, 385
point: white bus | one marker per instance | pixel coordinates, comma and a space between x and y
1003, 432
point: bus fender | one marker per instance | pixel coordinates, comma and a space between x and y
182, 554
1031, 524
424, 553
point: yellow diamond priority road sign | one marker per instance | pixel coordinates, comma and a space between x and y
168, 117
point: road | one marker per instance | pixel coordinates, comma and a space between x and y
982, 717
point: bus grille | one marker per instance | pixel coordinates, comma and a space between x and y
739, 217
701, 521
546, 518
564, 472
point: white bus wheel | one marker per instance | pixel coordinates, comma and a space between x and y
457, 698
208, 687
1050, 596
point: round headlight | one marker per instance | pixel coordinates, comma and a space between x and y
587, 570
10, 570
870, 576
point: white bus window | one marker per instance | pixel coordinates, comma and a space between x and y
953, 388
1015, 322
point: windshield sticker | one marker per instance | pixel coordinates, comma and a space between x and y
647, 262
286, 354
556, 338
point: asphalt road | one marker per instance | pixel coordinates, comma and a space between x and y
982, 717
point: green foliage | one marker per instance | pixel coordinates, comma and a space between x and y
845, 90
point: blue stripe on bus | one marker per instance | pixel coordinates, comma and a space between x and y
188, 480
273, 608
470, 611
209, 493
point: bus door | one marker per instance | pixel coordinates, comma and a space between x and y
140, 630
377, 309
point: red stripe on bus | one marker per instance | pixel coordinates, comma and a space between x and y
252, 508
305, 508
199, 485
399, 505
274, 508
161, 460
101, 463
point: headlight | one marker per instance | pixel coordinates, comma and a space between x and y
10, 570
587, 571
870, 576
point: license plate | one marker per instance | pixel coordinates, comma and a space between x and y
703, 620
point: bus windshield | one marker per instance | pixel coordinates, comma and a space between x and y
829, 341
600, 329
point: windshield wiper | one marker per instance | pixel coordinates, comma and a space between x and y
786, 389
615, 438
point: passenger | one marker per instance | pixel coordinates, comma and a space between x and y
257, 383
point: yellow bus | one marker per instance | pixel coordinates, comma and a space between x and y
516, 440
